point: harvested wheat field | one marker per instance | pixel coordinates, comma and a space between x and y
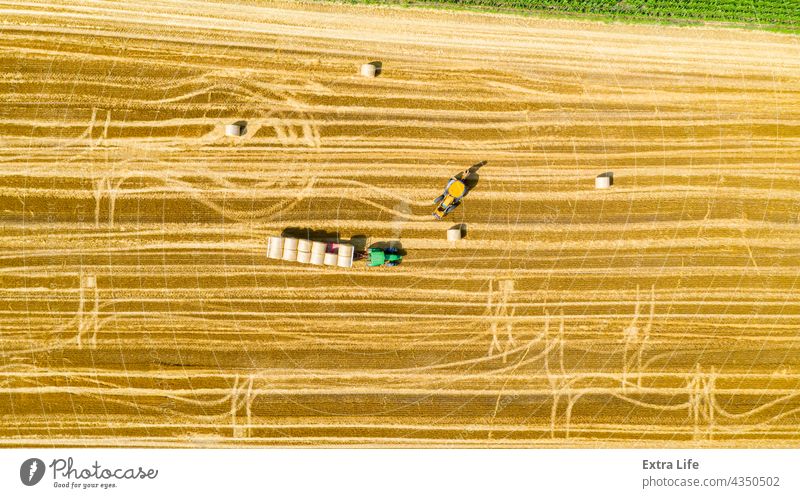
138, 307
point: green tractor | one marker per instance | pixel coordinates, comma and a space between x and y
389, 256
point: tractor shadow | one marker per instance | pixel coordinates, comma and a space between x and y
470, 177
359, 241
311, 234
387, 244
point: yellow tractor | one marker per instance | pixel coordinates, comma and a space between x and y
454, 191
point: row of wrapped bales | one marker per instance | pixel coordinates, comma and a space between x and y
309, 252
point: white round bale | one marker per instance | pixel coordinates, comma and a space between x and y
275, 247
454, 234
317, 252
318, 247
290, 249
303, 251
602, 181
234, 130
303, 257
304, 245
90, 282
330, 259
345, 259
368, 70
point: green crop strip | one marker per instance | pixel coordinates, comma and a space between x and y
777, 15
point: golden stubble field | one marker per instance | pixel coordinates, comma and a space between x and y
137, 306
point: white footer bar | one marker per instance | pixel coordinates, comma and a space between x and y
373, 473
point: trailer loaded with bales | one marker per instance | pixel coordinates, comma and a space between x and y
321, 253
